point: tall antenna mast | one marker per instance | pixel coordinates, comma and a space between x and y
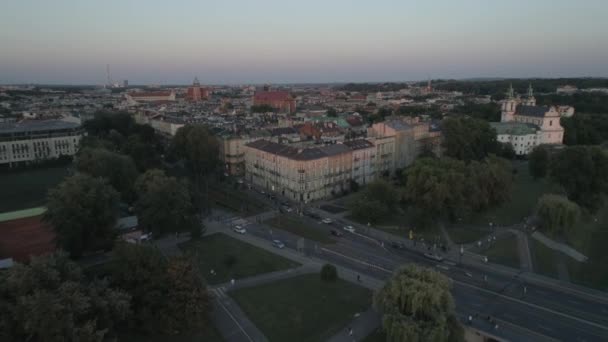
108, 74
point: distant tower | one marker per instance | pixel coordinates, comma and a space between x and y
196, 92
109, 84
429, 88
196, 83
531, 100
509, 106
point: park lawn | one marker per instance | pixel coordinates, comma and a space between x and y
543, 258
23, 189
209, 335
376, 336
463, 234
213, 252
298, 227
302, 308
504, 251
524, 195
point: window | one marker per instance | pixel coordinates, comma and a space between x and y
550, 122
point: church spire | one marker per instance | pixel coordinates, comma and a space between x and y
530, 90
510, 92
196, 83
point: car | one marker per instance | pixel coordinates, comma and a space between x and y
397, 245
336, 233
349, 229
327, 220
433, 256
278, 244
240, 181
286, 208
239, 229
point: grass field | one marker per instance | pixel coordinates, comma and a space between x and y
210, 335
231, 258
298, 227
25, 189
524, 195
504, 252
302, 308
463, 234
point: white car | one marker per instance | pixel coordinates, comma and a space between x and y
239, 229
327, 220
433, 256
349, 229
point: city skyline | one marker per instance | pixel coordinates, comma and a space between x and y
279, 42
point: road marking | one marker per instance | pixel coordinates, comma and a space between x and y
235, 321
443, 267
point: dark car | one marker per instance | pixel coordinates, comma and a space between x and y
397, 244
336, 233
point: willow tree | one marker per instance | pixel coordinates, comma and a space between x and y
417, 306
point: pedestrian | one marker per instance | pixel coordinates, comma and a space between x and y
350, 331
525, 290
470, 319
358, 278
232, 281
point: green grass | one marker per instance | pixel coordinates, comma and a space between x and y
466, 234
302, 308
213, 252
504, 252
298, 227
524, 195
25, 189
209, 335
376, 336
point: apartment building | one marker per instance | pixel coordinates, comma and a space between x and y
37, 140
363, 168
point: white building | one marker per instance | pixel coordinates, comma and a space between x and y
522, 136
30, 141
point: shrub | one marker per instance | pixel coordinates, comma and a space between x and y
329, 273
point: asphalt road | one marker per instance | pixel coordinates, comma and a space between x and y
541, 314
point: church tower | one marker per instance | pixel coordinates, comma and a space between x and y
509, 106
530, 100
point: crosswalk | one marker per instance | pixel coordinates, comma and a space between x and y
219, 292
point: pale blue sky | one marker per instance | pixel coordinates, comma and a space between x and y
231, 41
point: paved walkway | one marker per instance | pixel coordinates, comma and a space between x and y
523, 250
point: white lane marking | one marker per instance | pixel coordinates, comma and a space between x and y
235, 321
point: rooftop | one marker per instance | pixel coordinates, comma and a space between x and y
36, 126
298, 153
514, 128
537, 111
358, 144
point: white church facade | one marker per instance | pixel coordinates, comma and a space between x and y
525, 125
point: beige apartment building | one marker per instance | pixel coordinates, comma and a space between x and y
410, 138
300, 174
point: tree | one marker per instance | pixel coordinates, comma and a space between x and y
118, 169
557, 213
199, 148
331, 112
83, 211
538, 162
49, 300
164, 204
169, 296
468, 138
263, 108
416, 305
583, 173
376, 200
145, 155
329, 273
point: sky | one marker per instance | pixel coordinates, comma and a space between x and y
271, 41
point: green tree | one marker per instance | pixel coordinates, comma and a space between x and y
329, 273
331, 112
264, 108
199, 148
583, 173
416, 306
118, 169
83, 211
374, 201
468, 138
144, 153
538, 163
557, 214
49, 300
169, 296
164, 204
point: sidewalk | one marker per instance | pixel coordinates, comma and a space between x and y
361, 326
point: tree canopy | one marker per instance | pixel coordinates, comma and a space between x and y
583, 173
198, 147
557, 214
376, 200
49, 300
417, 306
118, 169
263, 108
538, 163
168, 296
164, 204
468, 138
83, 211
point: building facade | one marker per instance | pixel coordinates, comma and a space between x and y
197, 93
31, 141
281, 101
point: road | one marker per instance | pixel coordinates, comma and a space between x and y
539, 314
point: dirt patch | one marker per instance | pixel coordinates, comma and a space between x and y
24, 237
